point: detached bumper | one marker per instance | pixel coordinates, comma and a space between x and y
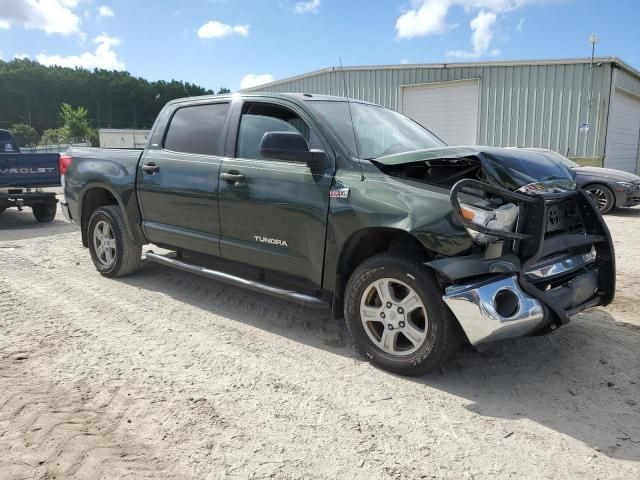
496, 309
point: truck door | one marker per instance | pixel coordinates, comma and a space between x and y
273, 214
178, 180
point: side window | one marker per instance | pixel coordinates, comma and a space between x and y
252, 129
197, 129
258, 119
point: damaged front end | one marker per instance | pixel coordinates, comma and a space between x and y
544, 252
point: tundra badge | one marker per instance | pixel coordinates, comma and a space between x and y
272, 241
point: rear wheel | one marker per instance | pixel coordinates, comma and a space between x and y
45, 212
113, 254
396, 315
603, 196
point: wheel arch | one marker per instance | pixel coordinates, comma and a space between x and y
364, 244
100, 195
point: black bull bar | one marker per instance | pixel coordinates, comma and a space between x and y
531, 246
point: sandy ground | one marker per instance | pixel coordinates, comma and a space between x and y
168, 375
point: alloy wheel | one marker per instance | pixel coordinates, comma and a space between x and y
104, 242
394, 317
600, 197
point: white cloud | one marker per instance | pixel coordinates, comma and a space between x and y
481, 26
105, 11
214, 29
51, 16
429, 18
21, 56
520, 25
253, 80
103, 57
310, 6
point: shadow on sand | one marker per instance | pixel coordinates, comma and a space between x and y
22, 225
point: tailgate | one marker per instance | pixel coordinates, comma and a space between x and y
29, 170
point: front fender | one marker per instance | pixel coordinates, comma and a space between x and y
381, 201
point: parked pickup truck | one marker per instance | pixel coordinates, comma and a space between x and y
419, 246
22, 175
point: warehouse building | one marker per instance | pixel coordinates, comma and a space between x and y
541, 104
122, 138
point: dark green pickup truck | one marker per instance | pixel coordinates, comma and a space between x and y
419, 246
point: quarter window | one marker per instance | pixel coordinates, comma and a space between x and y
197, 129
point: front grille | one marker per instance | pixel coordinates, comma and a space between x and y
562, 218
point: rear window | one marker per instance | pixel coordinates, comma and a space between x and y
197, 129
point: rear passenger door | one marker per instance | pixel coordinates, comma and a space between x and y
178, 180
273, 213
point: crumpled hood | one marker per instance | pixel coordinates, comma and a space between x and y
607, 173
509, 168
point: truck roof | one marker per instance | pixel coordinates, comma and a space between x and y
296, 97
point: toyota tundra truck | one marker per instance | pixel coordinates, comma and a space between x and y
331, 202
22, 177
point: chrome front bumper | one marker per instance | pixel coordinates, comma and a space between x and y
495, 310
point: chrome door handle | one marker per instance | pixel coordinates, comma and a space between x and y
150, 168
233, 177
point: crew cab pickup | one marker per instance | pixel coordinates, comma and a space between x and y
323, 201
22, 175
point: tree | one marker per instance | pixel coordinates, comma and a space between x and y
25, 135
55, 136
223, 90
76, 123
32, 94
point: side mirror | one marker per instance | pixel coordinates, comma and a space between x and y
293, 147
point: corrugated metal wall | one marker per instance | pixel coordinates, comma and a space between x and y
520, 105
626, 81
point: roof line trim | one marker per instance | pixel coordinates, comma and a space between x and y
559, 61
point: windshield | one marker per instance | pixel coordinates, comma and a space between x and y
379, 131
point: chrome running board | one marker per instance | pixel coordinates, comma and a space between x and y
237, 281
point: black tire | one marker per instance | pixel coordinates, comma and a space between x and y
126, 259
2, 209
45, 212
443, 333
602, 196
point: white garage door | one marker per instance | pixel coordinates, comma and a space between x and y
623, 134
448, 109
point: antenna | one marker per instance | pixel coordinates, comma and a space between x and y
355, 137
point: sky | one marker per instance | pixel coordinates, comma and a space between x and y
241, 43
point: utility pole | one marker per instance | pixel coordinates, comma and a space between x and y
593, 40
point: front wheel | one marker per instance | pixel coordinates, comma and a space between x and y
112, 252
602, 196
45, 212
396, 315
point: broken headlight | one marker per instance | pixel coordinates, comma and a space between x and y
502, 218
